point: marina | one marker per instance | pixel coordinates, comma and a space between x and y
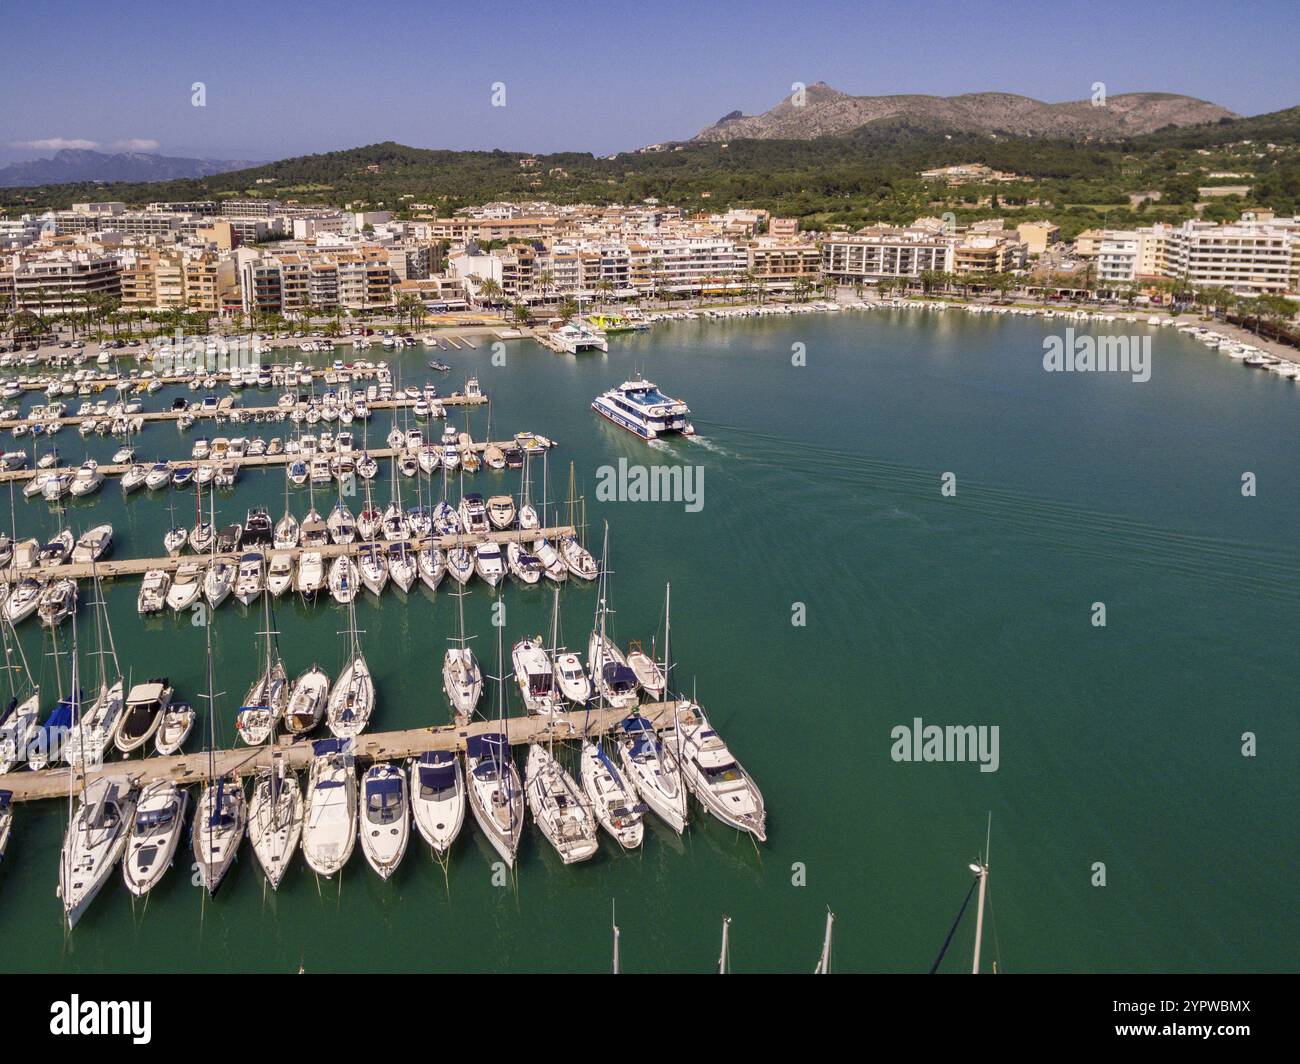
855, 477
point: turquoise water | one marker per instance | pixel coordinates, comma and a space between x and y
1119, 745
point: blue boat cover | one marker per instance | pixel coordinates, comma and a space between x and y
636, 723
321, 747
490, 744
391, 785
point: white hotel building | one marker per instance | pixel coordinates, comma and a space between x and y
1253, 256
886, 252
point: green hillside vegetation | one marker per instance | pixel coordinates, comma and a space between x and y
848, 181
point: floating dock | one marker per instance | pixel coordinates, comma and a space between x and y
297, 752
110, 569
227, 408
110, 469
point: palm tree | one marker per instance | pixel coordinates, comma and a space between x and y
489, 291
544, 280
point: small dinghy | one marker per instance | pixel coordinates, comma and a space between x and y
177, 723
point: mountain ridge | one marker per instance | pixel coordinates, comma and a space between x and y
75, 165
826, 111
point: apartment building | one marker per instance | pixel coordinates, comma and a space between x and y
983, 254
1246, 257
63, 281
881, 252
1251, 256
778, 263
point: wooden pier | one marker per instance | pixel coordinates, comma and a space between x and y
109, 569
297, 752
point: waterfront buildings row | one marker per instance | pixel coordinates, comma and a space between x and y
266, 257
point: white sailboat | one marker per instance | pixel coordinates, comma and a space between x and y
275, 817
462, 678
95, 731
437, 798
220, 816
559, 807
385, 825
618, 809
96, 837
352, 698
265, 703
329, 829
307, 701
495, 794
615, 682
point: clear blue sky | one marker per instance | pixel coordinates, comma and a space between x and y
285, 77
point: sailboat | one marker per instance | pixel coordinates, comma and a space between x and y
221, 814
461, 677
495, 795
352, 698
287, 530
97, 831
613, 678
385, 824
576, 557
613, 799
96, 837
329, 830
559, 806
437, 798
97, 728
275, 815
21, 715
266, 700
155, 835
526, 516
616, 805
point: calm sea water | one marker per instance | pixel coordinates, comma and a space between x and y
1119, 745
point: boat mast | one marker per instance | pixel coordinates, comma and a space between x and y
613, 919
981, 870
824, 964
724, 958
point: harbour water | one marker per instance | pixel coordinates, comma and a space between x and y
1119, 745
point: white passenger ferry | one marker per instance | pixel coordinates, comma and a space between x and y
639, 406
